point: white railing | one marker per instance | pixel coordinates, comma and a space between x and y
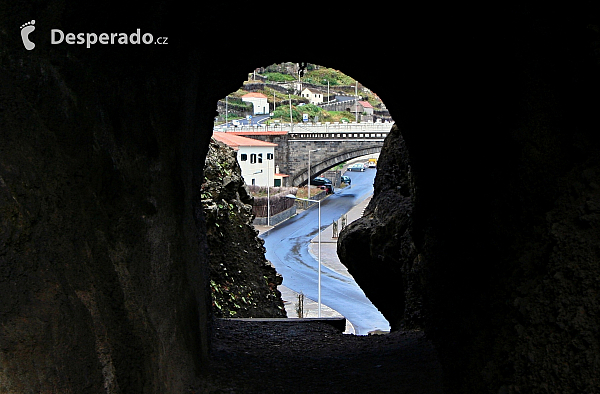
317, 127
340, 135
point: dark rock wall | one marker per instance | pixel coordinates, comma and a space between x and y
102, 249
103, 260
243, 283
378, 248
502, 193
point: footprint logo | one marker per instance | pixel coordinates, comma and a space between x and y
25, 30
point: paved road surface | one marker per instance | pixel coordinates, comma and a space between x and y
287, 248
256, 119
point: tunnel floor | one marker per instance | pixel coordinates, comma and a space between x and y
257, 357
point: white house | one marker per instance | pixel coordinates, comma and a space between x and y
256, 158
313, 95
259, 101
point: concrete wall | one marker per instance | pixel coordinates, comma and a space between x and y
275, 219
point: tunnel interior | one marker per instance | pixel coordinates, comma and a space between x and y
104, 245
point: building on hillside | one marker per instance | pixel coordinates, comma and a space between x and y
259, 102
363, 110
255, 157
367, 108
313, 95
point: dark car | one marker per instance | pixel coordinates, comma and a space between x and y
357, 167
323, 183
320, 181
346, 179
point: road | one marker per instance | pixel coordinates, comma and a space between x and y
287, 248
256, 119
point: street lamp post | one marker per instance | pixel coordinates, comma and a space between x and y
319, 231
308, 182
268, 190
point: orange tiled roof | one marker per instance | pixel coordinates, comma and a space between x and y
235, 141
254, 94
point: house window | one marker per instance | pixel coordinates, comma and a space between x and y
260, 157
243, 157
252, 158
269, 156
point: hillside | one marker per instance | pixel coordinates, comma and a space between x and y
279, 82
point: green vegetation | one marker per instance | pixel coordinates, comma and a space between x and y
278, 77
324, 75
283, 112
314, 74
338, 116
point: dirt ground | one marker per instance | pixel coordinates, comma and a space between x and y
257, 357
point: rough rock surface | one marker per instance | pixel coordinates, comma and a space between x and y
243, 283
315, 358
102, 250
497, 241
378, 248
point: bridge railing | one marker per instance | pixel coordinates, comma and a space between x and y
317, 126
338, 135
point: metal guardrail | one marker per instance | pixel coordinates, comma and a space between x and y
302, 204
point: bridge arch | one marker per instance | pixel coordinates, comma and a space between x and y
323, 164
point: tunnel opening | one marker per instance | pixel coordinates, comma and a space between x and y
293, 246
283, 117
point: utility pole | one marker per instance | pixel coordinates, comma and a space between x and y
356, 102
291, 119
226, 126
268, 191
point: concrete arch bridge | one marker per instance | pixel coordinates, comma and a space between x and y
328, 148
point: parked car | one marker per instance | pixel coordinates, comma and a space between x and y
323, 183
357, 167
372, 163
346, 179
320, 181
